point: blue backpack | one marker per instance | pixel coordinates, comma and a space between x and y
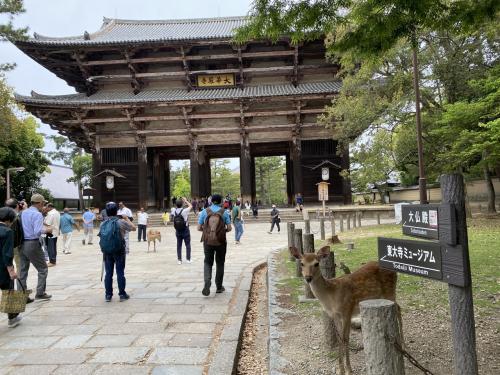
111, 239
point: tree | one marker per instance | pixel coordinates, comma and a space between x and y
80, 162
9, 9
269, 180
180, 181
224, 180
20, 146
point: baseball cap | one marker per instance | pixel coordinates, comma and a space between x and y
37, 198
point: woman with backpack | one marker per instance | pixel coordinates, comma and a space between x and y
179, 217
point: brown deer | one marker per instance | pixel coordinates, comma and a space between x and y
340, 296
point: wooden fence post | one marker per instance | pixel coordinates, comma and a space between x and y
308, 248
322, 228
297, 241
378, 218
341, 223
307, 226
348, 221
291, 243
461, 304
332, 223
360, 214
379, 325
327, 267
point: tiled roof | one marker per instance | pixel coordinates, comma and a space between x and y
117, 31
172, 95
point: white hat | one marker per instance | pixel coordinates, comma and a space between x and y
273, 206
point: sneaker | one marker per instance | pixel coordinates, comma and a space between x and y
43, 297
189, 261
64, 251
220, 290
124, 297
90, 243
68, 252
15, 321
206, 290
236, 242
270, 232
51, 264
179, 262
108, 298
29, 300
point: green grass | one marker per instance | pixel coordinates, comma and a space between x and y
418, 292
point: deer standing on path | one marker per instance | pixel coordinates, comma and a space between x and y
340, 296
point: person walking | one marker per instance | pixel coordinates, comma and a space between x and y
31, 250
17, 229
237, 221
275, 219
125, 211
66, 229
53, 219
7, 272
214, 222
142, 224
88, 226
180, 216
112, 242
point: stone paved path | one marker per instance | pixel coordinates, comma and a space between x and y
167, 327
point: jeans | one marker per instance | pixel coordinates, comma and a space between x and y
219, 252
277, 222
186, 237
238, 230
112, 261
31, 252
51, 248
141, 230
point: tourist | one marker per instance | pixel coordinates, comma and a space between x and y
174, 199
31, 250
103, 215
165, 217
114, 250
180, 215
300, 202
142, 224
255, 210
248, 208
214, 222
53, 219
122, 212
194, 203
238, 222
7, 271
275, 219
66, 227
18, 232
88, 226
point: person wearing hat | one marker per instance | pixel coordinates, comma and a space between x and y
31, 250
53, 220
275, 219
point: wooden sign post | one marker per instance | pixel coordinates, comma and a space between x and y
446, 259
323, 194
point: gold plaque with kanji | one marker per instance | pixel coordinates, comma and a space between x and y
216, 80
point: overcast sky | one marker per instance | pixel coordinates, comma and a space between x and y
73, 17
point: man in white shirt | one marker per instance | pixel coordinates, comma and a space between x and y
52, 220
142, 223
125, 211
179, 216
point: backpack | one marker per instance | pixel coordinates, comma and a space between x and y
214, 228
111, 241
179, 223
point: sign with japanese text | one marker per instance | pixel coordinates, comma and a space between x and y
418, 258
323, 191
420, 220
215, 80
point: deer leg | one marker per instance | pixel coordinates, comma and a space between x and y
346, 330
338, 332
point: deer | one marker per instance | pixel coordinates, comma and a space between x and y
340, 297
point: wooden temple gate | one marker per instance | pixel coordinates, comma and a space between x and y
154, 91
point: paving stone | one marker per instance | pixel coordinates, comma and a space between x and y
201, 340
224, 358
123, 370
214, 309
132, 328
182, 288
42, 319
120, 355
191, 327
103, 341
232, 328
29, 330
52, 356
146, 317
180, 356
178, 370
8, 356
106, 318
81, 329
177, 309
192, 318
169, 301
85, 369
33, 370
73, 341
33, 342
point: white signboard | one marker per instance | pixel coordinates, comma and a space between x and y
110, 182
325, 174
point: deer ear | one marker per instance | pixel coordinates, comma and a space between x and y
323, 252
294, 252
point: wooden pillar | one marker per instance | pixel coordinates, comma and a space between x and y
308, 248
297, 240
245, 169
346, 183
158, 173
166, 184
194, 168
254, 189
296, 156
322, 228
289, 180
291, 243
205, 179
97, 181
142, 171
